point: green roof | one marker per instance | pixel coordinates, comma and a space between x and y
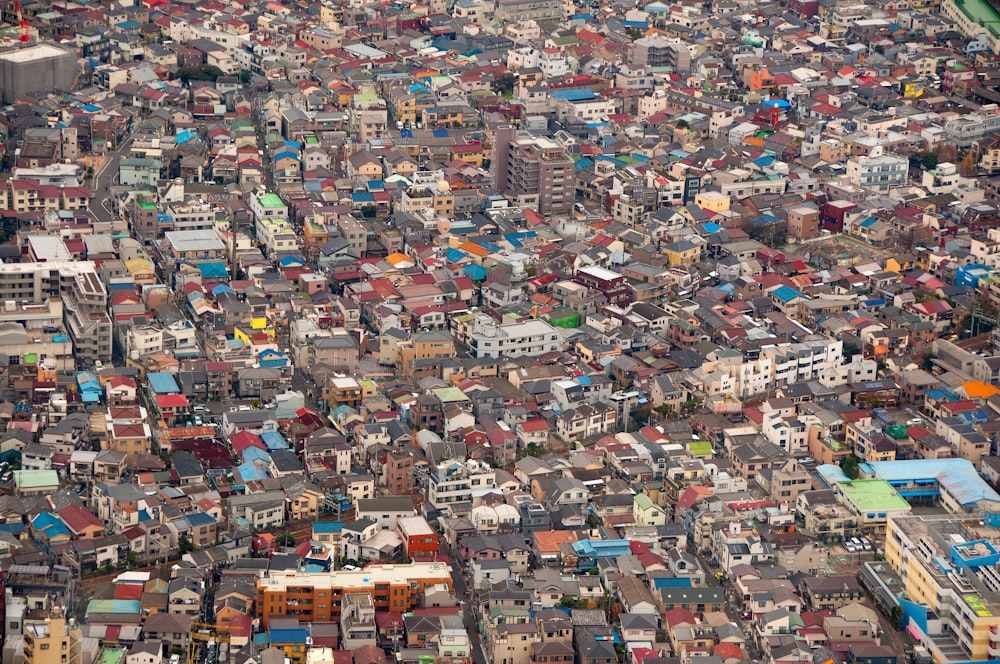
450, 394
270, 201
982, 12
35, 479
700, 447
873, 495
114, 605
146, 205
643, 502
111, 656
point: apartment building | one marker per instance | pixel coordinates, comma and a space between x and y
536, 171
451, 482
949, 566
656, 51
879, 172
490, 338
317, 596
84, 300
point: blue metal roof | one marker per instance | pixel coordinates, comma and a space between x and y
162, 382
213, 270
786, 294
328, 526
573, 94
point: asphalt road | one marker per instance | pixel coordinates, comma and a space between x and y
100, 206
468, 615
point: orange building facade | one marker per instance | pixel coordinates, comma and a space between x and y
317, 596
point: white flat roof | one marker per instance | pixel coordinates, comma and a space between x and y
364, 578
33, 53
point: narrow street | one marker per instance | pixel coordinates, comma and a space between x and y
468, 612
101, 205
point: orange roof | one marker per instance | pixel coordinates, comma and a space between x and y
549, 540
475, 249
977, 389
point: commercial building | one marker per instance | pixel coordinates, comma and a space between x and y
317, 596
950, 582
874, 502
535, 170
955, 483
490, 338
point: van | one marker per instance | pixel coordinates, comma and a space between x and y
866, 544
857, 543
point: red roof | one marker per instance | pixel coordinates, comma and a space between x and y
172, 401
128, 591
78, 518
535, 425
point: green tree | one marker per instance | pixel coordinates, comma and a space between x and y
682, 124
927, 361
929, 160
184, 544
640, 416
897, 616
504, 83
569, 602
849, 464
664, 410
199, 73
287, 540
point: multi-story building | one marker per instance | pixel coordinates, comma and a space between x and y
317, 596
965, 129
534, 170
533, 337
452, 482
612, 285
83, 295
880, 171
46, 640
949, 566
656, 51
525, 10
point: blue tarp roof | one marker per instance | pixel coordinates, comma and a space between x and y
273, 440
362, 197
252, 471
440, 133
222, 288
